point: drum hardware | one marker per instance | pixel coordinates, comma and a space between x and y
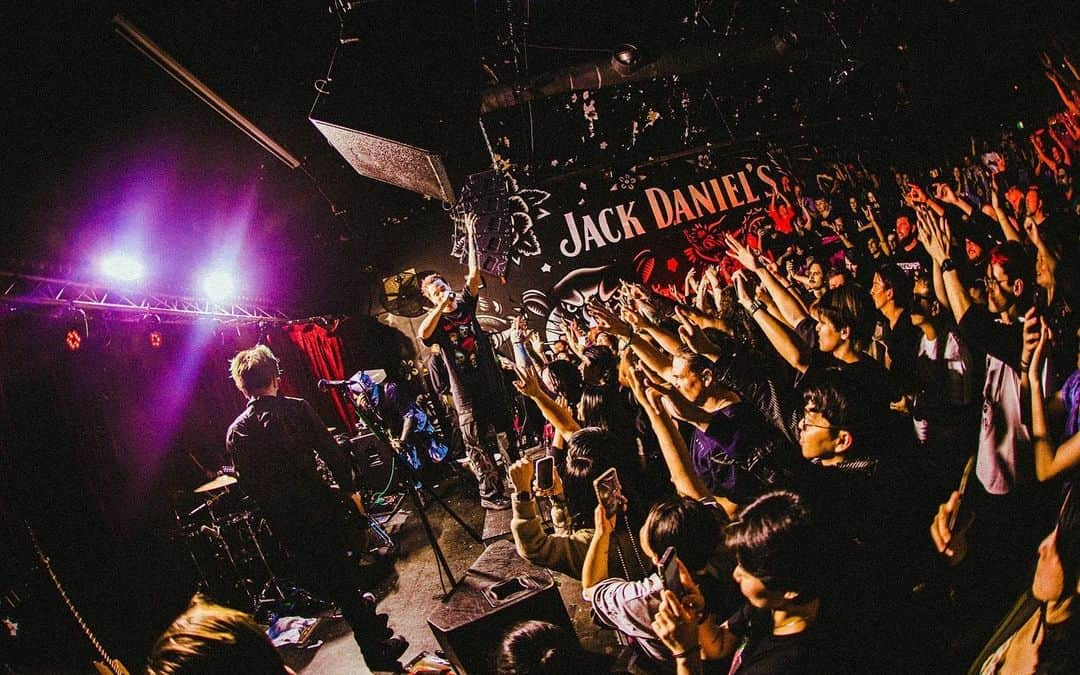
227, 547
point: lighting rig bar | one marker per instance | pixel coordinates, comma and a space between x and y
33, 290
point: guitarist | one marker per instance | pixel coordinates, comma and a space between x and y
272, 443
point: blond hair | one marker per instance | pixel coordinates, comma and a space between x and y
209, 638
254, 369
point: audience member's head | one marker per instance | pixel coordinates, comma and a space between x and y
687, 524
599, 366
834, 418
208, 639
891, 288
779, 552
562, 378
589, 453
845, 316
540, 648
1009, 279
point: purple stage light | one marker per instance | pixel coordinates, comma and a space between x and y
218, 285
121, 267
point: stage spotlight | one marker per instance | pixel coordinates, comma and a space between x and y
73, 340
155, 338
121, 267
218, 285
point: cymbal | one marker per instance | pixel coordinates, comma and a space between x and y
218, 483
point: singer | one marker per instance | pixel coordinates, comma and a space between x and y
273, 443
470, 367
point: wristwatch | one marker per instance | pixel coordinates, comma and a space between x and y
948, 265
523, 497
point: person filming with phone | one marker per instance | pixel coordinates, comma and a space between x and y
690, 529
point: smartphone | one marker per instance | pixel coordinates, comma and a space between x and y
609, 491
955, 517
545, 473
668, 569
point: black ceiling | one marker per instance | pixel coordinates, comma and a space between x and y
101, 143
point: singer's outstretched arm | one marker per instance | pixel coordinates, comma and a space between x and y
472, 279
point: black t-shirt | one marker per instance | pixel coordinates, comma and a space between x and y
466, 354
815, 650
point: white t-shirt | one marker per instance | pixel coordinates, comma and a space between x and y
1003, 436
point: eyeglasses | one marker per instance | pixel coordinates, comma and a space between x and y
803, 424
988, 280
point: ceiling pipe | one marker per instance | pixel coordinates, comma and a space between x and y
607, 71
163, 60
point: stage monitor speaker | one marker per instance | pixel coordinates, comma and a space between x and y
401, 102
498, 591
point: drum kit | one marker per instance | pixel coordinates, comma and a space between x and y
231, 545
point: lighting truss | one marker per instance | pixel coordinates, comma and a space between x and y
26, 289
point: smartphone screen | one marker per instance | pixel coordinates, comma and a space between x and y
545, 473
609, 491
668, 569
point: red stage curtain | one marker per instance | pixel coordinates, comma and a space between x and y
324, 354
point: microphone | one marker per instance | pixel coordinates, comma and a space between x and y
323, 385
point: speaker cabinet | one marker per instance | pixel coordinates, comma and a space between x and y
498, 591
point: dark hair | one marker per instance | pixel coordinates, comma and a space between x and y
535, 647
776, 539
600, 367
839, 400
688, 525
894, 278
567, 380
848, 306
588, 454
208, 638
604, 407
1060, 648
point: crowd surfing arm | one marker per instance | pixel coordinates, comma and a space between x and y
672, 446
559, 416
1049, 462
595, 568
791, 308
472, 279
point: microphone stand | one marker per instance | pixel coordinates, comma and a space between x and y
386, 450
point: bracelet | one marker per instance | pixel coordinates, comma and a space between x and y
686, 652
755, 306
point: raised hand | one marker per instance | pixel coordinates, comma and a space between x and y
741, 292
676, 625
741, 253
609, 321
527, 383
944, 192
1032, 332
935, 236
952, 544
521, 475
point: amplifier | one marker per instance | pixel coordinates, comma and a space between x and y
499, 590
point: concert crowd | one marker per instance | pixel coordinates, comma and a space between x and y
850, 447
